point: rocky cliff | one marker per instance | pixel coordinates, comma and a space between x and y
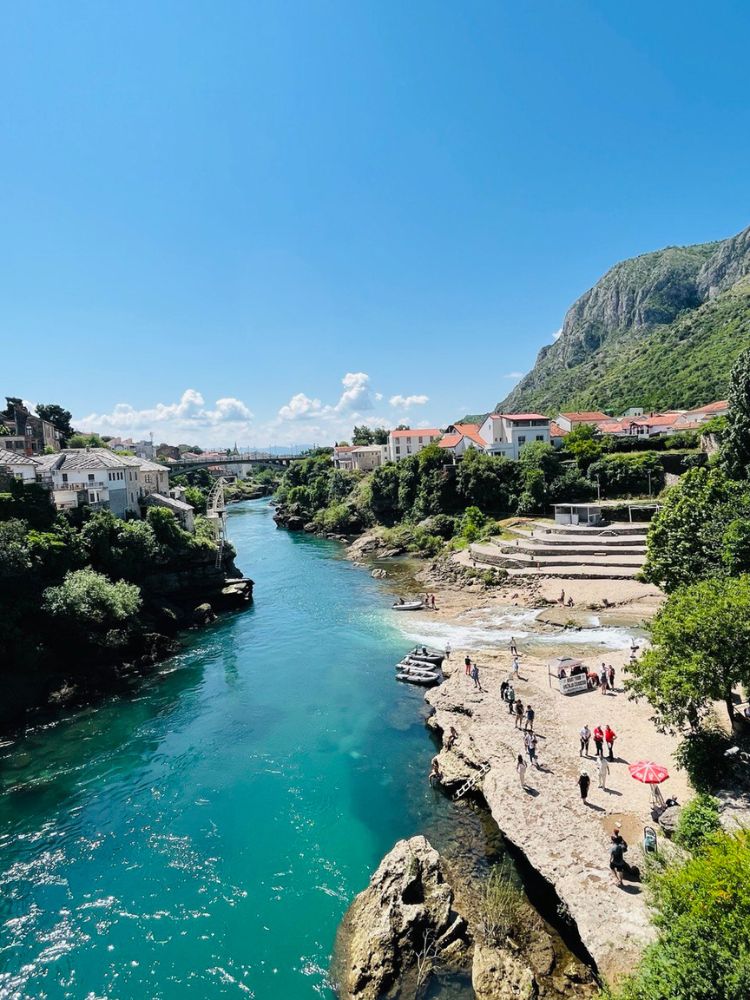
659, 330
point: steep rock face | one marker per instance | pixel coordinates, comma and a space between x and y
642, 302
499, 975
406, 909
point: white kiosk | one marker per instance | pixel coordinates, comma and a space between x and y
571, 675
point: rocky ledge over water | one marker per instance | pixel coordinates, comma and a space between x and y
418, 918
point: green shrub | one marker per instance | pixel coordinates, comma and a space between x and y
701, 754
87, 603
698, 820
501, 908
702, 912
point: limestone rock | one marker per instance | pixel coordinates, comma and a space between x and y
498, 974
407, 905
669, 819
203, 614
379, 574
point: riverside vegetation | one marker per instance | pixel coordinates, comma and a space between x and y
82, 595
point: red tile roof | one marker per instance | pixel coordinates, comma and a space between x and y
450, 440
555, 430
519, 416
584, 415
421, 431
471, 431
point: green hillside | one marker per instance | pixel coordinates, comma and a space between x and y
661, 330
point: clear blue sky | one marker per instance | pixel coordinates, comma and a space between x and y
251, 200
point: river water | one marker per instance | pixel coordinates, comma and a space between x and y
203, 835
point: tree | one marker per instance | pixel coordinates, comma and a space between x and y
87, 602
490, 482
583, 444
735, 445
86, 441
700, 652
380, 435
628, 475
362, 436
702, 911
690, 536
58, 417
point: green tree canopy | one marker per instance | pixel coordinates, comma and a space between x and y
700, 652
87, 602
490, 482
57, 416
693, 535
86, 441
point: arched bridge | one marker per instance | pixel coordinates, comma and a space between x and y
233, 462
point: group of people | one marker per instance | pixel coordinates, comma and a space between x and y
604, 678
429, 601
607, 736
561, 600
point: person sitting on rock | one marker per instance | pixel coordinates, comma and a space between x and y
452, 737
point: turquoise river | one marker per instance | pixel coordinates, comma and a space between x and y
202, 835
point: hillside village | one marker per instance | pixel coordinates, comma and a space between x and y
506, 434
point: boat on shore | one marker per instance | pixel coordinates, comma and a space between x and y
408, 606
423, 680
426, 654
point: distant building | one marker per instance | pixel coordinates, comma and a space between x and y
168, 451
110, 481
37, 435
17, 465
183, 511
141, 449
568, 421
411, 442
556, 434
507, 433
342, 456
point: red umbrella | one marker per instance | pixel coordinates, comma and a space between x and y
648, 772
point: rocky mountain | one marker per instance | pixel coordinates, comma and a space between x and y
660, 330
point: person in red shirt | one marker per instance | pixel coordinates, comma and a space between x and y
598, 740
609, 738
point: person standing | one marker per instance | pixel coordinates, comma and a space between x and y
510, 696
432, 602
611, 677
617, 858
529, 726
519, 714
513, 647
530, 741
447, 651
475, 677
585, 738
516, 666
521, 768
467, 665
503, 690
599, 740
583, 783
603, 679
609, 738
603, 772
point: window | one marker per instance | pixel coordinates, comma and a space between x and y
148, 477
91, 477
522, 439
540, 437
420, 440
65, 477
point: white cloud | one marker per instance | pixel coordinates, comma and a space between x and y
557, 334
188, 418
404, 402
513, 375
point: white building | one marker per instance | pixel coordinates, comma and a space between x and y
507, 433
17, 465
152, 477
108, 479
411, 442
567, 421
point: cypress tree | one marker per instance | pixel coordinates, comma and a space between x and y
735, 452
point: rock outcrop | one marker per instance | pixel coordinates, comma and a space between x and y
681, 312
401, 923
498, 974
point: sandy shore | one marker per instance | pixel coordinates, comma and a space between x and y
563, 838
